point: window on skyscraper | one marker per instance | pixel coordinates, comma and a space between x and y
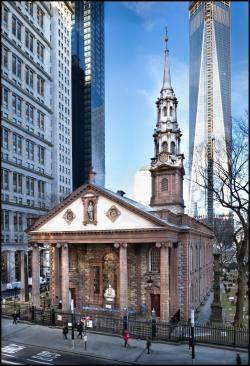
16, 28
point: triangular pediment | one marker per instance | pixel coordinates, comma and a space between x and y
110, 213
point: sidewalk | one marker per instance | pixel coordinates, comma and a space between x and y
111, 347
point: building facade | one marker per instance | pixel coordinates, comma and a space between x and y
88, 119
209, 96
30, 122
61, 16
152, 257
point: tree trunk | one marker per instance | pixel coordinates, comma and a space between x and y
241, 282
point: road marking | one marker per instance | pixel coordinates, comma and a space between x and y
46, 363
46, 356
6, 354
10, 362
12, 348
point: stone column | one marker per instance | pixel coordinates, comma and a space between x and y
11, 269
174, 305
123, 276
164, 280
24, 277
35, 276
55, 281
65, 276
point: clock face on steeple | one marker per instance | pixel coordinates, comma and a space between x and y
163, 157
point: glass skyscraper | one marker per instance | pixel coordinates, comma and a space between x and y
88, 119
209, 92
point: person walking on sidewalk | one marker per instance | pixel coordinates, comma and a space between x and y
80, 329
65, 331
14, 316
238, 359
126, 337
148, 342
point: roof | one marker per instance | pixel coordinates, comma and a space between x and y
143, 210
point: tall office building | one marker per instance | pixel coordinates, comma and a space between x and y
209, 93
88, 120
36, 129
61, 16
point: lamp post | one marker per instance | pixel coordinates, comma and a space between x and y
192, 334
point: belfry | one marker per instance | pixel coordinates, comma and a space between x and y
167, 165
108, 251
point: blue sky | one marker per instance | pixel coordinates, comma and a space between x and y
134, 54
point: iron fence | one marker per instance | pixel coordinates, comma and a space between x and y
204, 333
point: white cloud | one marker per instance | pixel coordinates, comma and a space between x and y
149, 11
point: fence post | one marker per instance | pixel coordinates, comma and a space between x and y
53, 317
234, 336
153, 328
125, 323
32, 313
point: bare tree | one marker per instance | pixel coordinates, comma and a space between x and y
230, 187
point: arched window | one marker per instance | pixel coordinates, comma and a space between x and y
164, 184
154, 260
172, 148
164, 111
164, 146
171, 111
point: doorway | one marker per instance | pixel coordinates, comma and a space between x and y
155, 303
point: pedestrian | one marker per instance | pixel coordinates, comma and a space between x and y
65, 331
126, 338
79, 329
238, 359
14, 316
148, 342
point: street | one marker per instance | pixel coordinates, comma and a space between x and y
24, 354
27, 343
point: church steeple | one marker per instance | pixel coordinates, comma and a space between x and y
166, 78
167, 165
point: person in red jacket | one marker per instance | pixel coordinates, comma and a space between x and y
126, 337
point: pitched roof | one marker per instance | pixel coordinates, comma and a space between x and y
142, 210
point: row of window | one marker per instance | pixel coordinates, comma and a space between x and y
18, 142
29, 8
29, 40
17, 109
18, 220
17, 184
164, 147
66, 40
17, 65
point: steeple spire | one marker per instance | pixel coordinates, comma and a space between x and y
166, 79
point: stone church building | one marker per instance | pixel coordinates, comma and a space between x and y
153, 257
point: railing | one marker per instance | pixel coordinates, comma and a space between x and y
204, 333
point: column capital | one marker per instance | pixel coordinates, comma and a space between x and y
124, 245
116, 245
65, 245
35, 245
158, 244
167, 244
58, 245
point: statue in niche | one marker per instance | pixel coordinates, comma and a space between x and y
109, 293
109, 269
90, 211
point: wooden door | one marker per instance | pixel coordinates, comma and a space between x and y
155, 303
